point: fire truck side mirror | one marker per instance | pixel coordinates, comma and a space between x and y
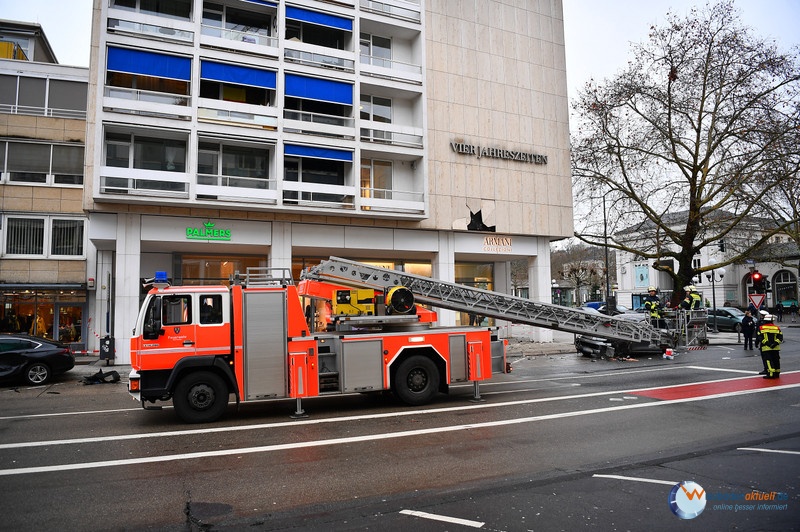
151, 329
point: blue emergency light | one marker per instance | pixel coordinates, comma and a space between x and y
161, 277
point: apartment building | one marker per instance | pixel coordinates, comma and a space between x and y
44, 249
423, 135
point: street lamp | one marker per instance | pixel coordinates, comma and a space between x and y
712, 276
605, 242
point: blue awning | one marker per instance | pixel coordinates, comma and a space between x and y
321, 19
149, 63
315, 152
323, 90
239, 75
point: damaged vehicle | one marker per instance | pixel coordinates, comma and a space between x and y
32, 360
598, 347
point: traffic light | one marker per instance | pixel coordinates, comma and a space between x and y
766, 283
721, 245
758, 282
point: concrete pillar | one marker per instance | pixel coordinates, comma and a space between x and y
126, 283
443, 268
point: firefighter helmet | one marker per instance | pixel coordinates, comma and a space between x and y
768, 317
652, 289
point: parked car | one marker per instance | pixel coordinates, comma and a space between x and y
32, 359
727, 319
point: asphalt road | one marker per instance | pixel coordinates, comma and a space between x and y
561, 443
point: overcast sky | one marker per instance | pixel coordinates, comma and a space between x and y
598, 32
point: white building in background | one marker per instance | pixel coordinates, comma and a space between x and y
417, 135
731, 285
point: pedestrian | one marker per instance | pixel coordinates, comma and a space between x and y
779, 311
748, 328
770, 337
793, 311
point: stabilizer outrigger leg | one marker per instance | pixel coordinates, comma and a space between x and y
299, 413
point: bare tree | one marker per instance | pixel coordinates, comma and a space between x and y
702, 113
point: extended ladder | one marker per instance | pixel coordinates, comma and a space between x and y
486, 303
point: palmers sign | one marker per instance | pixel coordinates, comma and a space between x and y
497, 153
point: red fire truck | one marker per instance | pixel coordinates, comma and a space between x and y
263, 337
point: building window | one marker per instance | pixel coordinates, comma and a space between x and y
35, 163
67, 238
24, 236
236, 24
376, 50
181, 9
318, 171
376, 109
145, 153
317, 28
237, 166
376, 179
44, 236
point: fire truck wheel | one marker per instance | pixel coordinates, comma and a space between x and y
416, 381
200, 397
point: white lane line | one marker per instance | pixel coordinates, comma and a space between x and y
58, 414
745, 371
369, 437
778, 451
635, 479
446, 519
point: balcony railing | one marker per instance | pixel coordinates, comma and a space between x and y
208, 114
318, 195
391, 137
318, 118
395, 11
139, 95
132, 182
259, 36
235, 188
42, 111
116, 25
320, 60
379, 199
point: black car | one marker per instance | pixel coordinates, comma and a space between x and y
32, 359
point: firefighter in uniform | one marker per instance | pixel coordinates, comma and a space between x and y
653, 306
770, 337
693, 300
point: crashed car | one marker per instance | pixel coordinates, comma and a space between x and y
597, 347
31, 359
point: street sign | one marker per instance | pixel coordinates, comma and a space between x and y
757, 299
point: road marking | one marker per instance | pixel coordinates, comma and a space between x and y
745, 371
778, 451
371, 437
635, 479
446, 519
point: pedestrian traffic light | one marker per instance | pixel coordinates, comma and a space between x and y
721, 245
766, 283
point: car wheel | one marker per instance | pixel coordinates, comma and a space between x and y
37, 373
416, 380
200, 397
